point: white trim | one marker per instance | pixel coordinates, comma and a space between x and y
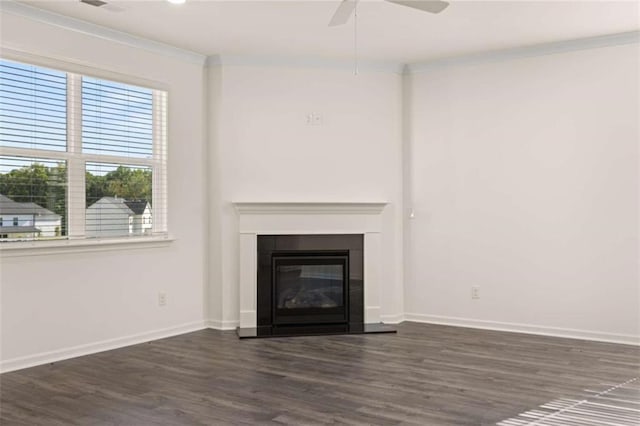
304, 62
527, 51
299, 218
63, 246
309, 208
76, 166
571, 333
77, 25
371, 313
222, 324
248, 317
75, 66
392, 318
95, 347
160, 186
77, 153
110, 344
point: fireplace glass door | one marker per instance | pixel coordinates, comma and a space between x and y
310, 287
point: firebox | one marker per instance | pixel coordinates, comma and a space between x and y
310, 287
310, 284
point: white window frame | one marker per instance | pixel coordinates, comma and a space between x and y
76, 240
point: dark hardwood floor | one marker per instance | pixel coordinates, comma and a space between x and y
424, 375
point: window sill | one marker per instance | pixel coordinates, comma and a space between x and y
34, 248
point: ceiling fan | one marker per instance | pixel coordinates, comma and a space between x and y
347, 7
103, 5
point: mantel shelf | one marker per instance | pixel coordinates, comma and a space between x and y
309, 207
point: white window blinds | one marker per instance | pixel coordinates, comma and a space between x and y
117, 119
80, 157
33, 107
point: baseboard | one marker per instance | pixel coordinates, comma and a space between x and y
106, 345
223, 325
392, 318
101, 346
598, 336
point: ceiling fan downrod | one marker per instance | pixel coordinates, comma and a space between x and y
355, 40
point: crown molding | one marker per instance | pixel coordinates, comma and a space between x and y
83, 27
528, 51
305, 62
19, 9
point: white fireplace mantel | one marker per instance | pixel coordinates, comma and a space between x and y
291, 218
310, 208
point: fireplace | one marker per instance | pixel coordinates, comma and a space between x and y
310, 283
310, 268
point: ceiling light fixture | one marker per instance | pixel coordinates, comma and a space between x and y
176, 1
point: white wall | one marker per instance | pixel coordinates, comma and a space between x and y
524, 180
263, 150
52, 304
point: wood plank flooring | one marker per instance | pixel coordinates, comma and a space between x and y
424, 375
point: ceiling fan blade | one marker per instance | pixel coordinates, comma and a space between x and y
103, 5
343, 13
433, 6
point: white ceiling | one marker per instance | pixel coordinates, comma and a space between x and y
386, 31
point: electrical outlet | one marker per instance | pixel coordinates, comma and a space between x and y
475, 292
162, 298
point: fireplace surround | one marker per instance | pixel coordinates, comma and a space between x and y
304, 256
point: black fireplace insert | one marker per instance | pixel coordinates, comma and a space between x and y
310, 284
310, 287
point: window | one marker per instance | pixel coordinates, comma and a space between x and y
82, 157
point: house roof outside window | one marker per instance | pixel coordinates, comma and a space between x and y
9, 207
137, 206
131, 207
